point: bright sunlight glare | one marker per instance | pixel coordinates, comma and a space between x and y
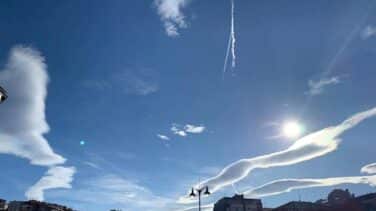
292, 129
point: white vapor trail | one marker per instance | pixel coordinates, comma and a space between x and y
348, 40
329, 69
233, 34
231, 41
309, 147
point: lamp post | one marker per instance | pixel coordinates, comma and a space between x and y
204, 190
3, 94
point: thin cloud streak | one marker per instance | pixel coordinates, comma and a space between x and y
130, 81
309, 147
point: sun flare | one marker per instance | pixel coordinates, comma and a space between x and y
292, 129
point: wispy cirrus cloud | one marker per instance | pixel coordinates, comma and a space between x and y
137, 81
369, 169
24, 121
55, 177
317, 87
114, 190
170, 12
309, 147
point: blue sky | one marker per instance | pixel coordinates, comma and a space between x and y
142, 84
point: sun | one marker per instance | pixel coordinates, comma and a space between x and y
292, 129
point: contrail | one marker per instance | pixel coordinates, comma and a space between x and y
347, 42
231, 41
350, 37
233, 34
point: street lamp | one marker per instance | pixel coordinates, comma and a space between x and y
3, 94
204, 190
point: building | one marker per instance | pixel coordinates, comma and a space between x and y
367, 201
238, 203
33, 205
337, 200
3, 204
339, 197
302, 206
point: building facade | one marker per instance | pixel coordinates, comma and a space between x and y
337, 200
302, 206
3, 204
238, 203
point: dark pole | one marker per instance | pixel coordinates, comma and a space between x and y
199, 200
199, 191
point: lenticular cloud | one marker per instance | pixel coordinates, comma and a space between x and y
286, 185
23, 114
369, 169
55, 177
309, 147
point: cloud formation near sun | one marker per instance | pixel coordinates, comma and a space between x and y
309, 147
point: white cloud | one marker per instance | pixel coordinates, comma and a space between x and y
369, 169
171, 14
163, 137
177, 131
309, 147
56, 177
188, 128
317, 87
114, 190
138, 81
368, 32
194, 129
23, 114
286, 185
